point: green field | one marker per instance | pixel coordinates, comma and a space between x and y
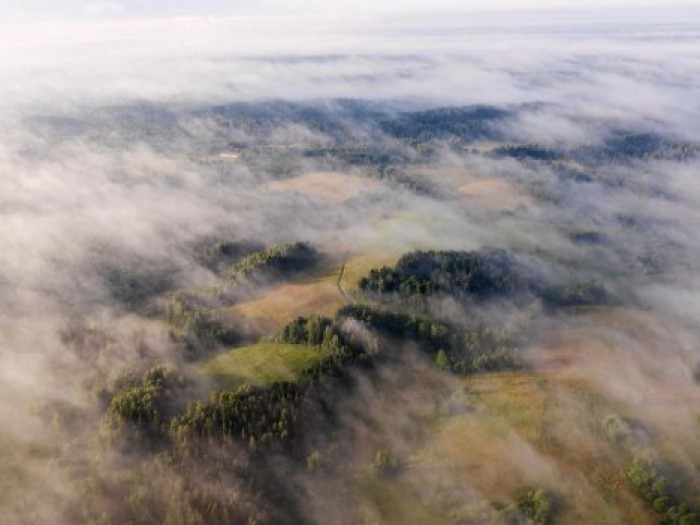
261, 363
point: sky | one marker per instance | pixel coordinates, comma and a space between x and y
74, 52
44, 10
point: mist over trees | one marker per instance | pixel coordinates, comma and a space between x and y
332, 270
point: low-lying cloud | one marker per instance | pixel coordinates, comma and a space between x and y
110, 158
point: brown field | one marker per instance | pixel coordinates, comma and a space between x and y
544, 427
283, 303
314, 294
528, 431
489, 193
494, 194
640, 364
326, 186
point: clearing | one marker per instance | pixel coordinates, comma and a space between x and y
261, 363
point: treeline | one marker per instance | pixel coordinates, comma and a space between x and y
396, 175
259, 418
132, 280
251, 415
218, 255
452, 348
621, 147
338, 119
526, 152
164, 477
197, 324
344, 349
472, 275
656, 482
146, 414
235, 260
270, 416
275, 262
463, 123
656, 490
482, 275
140, 411
624, 146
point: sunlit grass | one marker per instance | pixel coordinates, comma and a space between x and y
261, 363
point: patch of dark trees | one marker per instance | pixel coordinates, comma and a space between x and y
659, 490
218, 255
526, 152
474, 276
626, 146
274, 263
461, 123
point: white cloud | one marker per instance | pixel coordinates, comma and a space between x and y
624, 65
103, 7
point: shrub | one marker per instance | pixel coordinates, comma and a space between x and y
536, 505
385, 465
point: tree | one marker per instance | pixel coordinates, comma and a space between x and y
441, 360
537, 506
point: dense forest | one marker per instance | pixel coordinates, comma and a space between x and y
483, 275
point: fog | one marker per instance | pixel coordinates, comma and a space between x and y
111, 136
